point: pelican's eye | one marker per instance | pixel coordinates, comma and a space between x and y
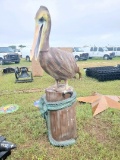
41, 20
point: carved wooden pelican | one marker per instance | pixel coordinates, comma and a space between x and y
60, 64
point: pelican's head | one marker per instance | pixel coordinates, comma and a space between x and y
42, 30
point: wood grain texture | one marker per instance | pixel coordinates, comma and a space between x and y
59, 64
62, 122
36, 68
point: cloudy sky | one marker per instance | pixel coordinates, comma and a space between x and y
74, 22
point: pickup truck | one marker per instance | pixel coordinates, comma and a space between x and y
79, 54
9, 58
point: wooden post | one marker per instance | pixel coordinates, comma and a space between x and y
63, 121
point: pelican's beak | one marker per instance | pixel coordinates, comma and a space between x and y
37, 46
36, 42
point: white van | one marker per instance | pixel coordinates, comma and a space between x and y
100, 52
114, 49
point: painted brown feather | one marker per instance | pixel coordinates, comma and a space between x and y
59, 64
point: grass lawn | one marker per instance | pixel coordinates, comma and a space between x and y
98, 138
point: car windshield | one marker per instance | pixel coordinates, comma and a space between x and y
77, 49
6, 50
10, 49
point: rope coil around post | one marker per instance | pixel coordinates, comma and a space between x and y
46, 106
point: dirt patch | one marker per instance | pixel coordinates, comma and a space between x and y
98, 129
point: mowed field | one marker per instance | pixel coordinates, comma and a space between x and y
98, 138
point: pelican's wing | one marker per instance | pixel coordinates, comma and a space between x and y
62, 63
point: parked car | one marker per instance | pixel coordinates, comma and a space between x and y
116, 50
79, 54
100, 52
9, 58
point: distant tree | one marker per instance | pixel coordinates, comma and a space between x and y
85, 46
13, 47
21, 46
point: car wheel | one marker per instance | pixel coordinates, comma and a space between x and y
77, 58
27, 58
110, 58
17, 62
106, 57
1, 62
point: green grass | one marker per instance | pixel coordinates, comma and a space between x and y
98, 138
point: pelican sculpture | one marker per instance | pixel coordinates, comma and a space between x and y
59, 64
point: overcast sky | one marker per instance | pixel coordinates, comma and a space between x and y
74, 22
